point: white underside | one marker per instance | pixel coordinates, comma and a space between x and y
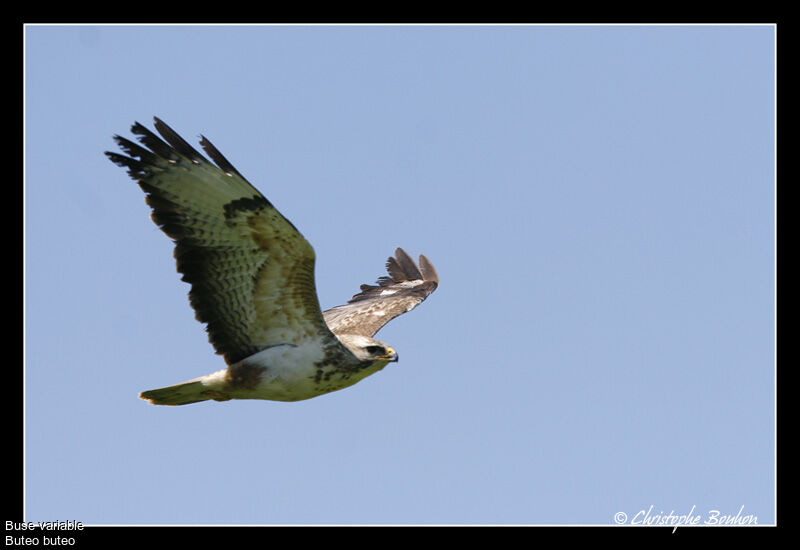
290, 375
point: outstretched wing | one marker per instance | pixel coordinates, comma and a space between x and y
251, 272
373, 307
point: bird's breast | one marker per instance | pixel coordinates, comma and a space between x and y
290, 372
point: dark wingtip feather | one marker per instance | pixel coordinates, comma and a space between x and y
177, 142
136, 169
135, 150
401, 267
217, 157
428, 271
153, 142
168, 148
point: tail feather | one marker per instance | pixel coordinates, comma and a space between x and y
193, 391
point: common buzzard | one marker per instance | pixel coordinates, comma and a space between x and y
252, 281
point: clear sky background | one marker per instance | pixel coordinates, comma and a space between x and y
598, 202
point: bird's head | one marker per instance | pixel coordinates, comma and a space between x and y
368, 349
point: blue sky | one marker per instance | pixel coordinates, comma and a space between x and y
598, 202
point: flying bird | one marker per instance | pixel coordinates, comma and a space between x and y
252, 281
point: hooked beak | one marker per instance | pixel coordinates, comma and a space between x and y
390, 356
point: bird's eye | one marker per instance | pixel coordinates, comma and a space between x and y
375, 350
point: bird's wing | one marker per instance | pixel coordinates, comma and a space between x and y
251, 272
406, 287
